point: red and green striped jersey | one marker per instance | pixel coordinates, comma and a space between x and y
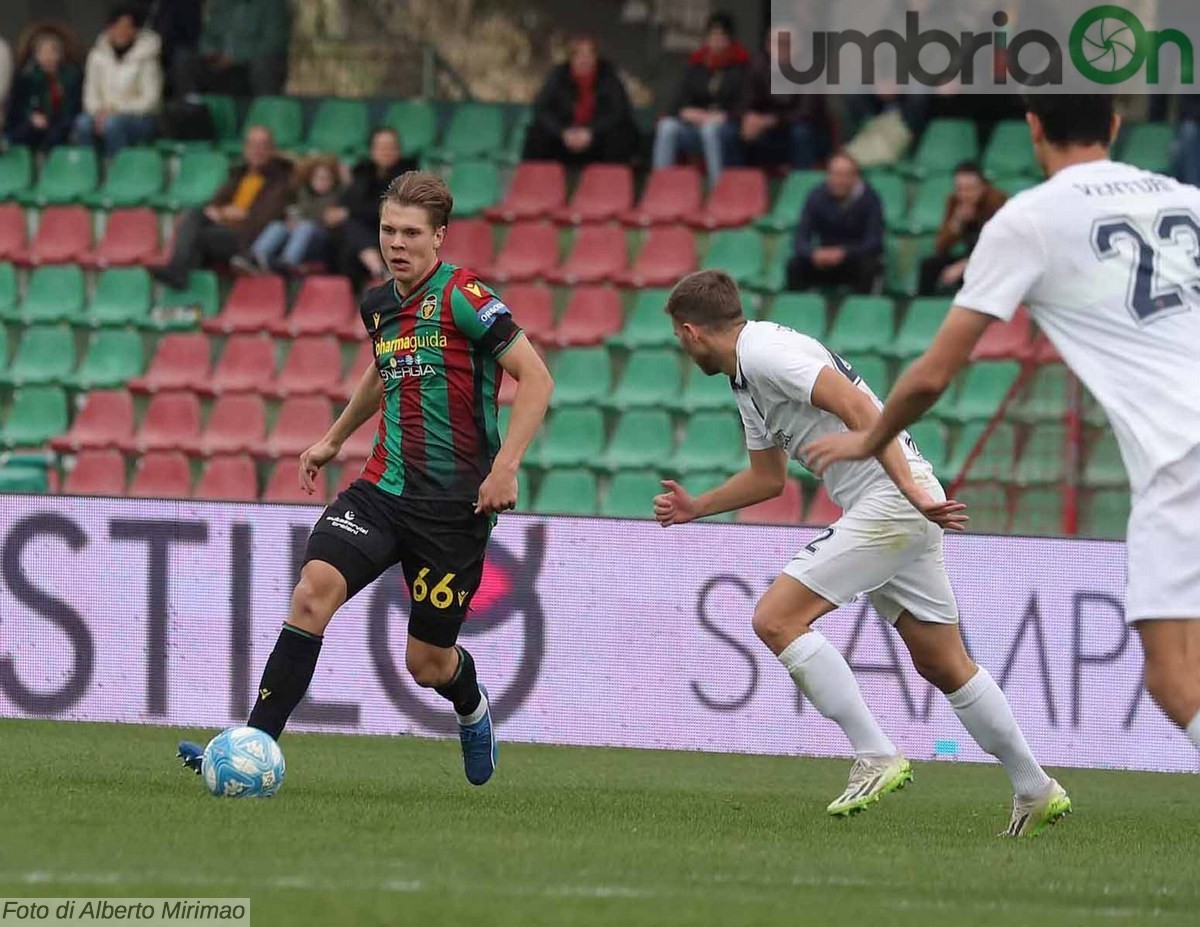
436, 351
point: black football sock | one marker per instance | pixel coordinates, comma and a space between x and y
285, 679
463, 690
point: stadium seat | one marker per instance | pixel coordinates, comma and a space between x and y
514, 146
283, 486
631, 494
339, 127
415, 121
27, 472
55, 294
789, 201
987, 505
1043, 351
567, 492
924, 318
532, 307
1005, 340
35, 415
667, 254
600, 253
228, 478
181, 361
873, 369
186, 308
301, 422
1148, 146
171, 423
785, 509
325, 305
984, 388
930, 438
702, 393
475, 130
224, 113
313, 365
822, 510
804, 312
738, 252
648, 326
582, 377
163, 475
113, 357
772, 278
604, 193
97, 472
1009, 152
592, 315
530, 251
14, 239
359, 445
863, 324
134, 177
476, 187
929, 205
255, 304
1043, 458
537, 190
46, 354
670, 196
236, 425
1105, 468
739, 197
364, 356
282, 115
651, 375
642, 438
1038, 512
996, 457
1106, 514
247, 365
130, 237
1044, 396
64, 234
944, 144
16, 171
104, 420
711, 441
893, 194
573, 438
201, 172
468, 243
8, 302
68, 175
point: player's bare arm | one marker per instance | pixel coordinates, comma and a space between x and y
363, 404
498, 491
764, 479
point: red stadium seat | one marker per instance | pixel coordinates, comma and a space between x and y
1043, 351
600, 253
236, 425
537, 190
246, 366
785, 509
468, 244
532, 306
668, 254
182, 361
105, 421
605, 192
97, 473
363, 357
228, 478
14, 238
313, 365
284, 486
1006, 340
823, 511
171, 423
64, 235
130, 237
324, 306
593, 314
671, 194
358, 446
349, 475
530, 251
302, 420
255, 304
739, 197
162, 474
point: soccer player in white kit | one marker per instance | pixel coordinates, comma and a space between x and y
791, 390
1107, 258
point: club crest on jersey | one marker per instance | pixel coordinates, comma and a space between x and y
428, 306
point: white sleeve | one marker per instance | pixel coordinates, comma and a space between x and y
757, 438
793, 365
1006, 264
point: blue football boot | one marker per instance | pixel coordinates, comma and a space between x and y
479, 745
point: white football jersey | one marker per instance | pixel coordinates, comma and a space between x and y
1107, 258
776, 370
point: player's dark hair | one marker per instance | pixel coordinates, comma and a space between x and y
722, 21
421, 188
968, 167
708, 298
135, 11
1074, 119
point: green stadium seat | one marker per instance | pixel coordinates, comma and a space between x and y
929, 205
789, 201
514, 146
930, 438
1104, 467
703, 393
24, 473
987, 505
503, 415
1014, 185
773, 276
1043, 458
647, 325
122, 297
1106, 514
573, 438
738, 252
567, 492
863, 324
944, 144
631, 494
183, 310
135, 177
201, 173
924, 318
996, 460
874, 371
651, 377
225, 119
1038, 512
282, 115
37, 414
1009, 152
1044, 397
711, 441
46, 354
642, 438
476, 187
339, 127
415, 121
903, 255
475, 130
55, 294
1148, 146
582, 376
69, 174
8, 290
804, 312
983, 390
16, 171
893, 193
113, 357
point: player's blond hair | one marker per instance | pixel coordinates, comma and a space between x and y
423, 189
706, 297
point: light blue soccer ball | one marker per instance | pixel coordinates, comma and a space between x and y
243, 762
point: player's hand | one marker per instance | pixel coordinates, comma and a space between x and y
312, 460
676, 506
949, 515
497, 493
846, 445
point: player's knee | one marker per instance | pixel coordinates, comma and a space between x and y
426, 670
313, 604
777, 629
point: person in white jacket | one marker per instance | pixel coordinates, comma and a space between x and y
122, 85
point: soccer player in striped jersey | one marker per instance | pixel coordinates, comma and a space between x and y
436, 478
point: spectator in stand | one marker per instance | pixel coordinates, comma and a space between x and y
773, 128
254, 195
46, 93
1187, 139
301, 237
122, 84
968, 207
839, 241
582, 113
355, 220
243, 50
710, 92
6, 77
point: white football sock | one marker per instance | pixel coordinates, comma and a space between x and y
824, 676
479, 712
985, 713
1193, 730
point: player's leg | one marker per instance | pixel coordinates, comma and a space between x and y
1172, 653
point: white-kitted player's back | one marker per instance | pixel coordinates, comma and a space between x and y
1107, 258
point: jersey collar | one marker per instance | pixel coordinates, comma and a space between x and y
416, 290
738, 380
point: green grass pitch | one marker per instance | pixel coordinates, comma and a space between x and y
386, 831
